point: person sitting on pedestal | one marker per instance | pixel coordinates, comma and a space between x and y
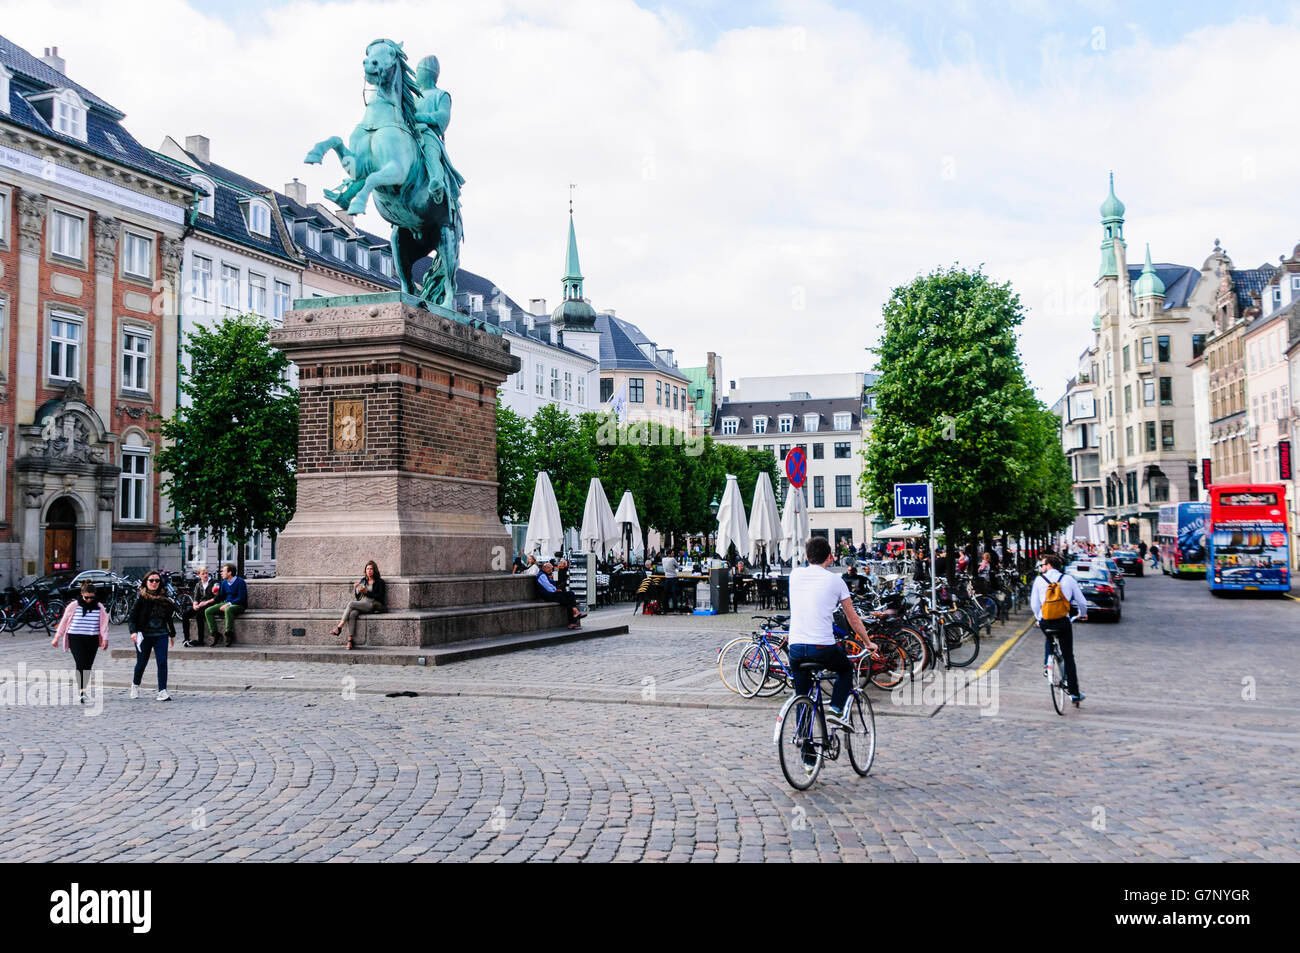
371, 596
546, 589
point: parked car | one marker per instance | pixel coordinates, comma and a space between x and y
1129, 560
1099, 590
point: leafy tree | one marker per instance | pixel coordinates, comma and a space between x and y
231, 453
516, 467
560, 449
949, 400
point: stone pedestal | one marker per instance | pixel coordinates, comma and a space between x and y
396, 463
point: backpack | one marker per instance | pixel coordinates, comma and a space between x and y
1055, 605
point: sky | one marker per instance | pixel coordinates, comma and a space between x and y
755, 179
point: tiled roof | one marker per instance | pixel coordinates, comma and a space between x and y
1179, 280
1246, 280
227, 219
106, 137
294, 213
827, 408
619, 349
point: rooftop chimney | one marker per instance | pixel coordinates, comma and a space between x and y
198, 146
537, 305
53, 60
296, 191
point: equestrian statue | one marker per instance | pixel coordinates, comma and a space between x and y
397, 155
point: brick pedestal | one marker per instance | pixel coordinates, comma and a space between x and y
396, 463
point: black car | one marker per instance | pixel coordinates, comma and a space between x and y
1098, 591
1130, 561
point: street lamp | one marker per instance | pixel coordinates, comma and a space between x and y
708, 537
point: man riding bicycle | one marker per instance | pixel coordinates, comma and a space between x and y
1051, 589
815, 592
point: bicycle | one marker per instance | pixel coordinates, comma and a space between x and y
37, 609
803, 742
1056, 672
727, 658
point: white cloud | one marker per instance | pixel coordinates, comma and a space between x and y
715, 182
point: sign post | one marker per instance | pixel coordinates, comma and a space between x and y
912, 501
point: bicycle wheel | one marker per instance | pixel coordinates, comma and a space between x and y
778, 664
801, 743
7, 621
751, 670
1056, 681
914, 645
727, 656
862, 742
890, 672
121, 607
53, 613
961, 644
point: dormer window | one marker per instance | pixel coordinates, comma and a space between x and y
339, 248
313, 238
257, 216
69, 114
760, 425
386, 266
361, 255
843, 421
730, 426
4, 89
785, 423
811, 422
207, 190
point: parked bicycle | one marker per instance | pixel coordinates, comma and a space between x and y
35, 609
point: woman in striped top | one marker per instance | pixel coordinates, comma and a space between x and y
83, 630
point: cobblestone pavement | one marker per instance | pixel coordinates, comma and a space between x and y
1185, 748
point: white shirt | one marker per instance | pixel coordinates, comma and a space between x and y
670, 568
1069, 588
814, 595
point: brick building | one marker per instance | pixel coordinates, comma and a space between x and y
90, 255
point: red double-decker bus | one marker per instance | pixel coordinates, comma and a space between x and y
1248, 543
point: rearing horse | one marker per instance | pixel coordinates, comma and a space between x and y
384, 159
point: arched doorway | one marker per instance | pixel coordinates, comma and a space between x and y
61, 536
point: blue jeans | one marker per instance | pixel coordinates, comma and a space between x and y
152, 643
827, 656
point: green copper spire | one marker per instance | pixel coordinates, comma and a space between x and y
1112, 220
1149, 284
572, 271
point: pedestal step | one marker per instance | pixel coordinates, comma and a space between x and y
390, 655
408, 627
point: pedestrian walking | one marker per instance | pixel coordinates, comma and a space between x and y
232, 599
83, 631
1155, 555
153, 630
371, 595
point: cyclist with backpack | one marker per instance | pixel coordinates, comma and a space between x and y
1051, 598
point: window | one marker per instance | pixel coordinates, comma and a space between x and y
206, 190
843, 490
843, 451
1167, 434
386, 266
730, 425
257, 293
67, 234
313, 238
1110, 403
1125, 357
1151, 436
843, 421
1097, 501
1274, 403
785, 450
582, 389
338, 248
230, 287
65, 347
202, 278
135, 358
540, 380
283, 293
819, 451
675, 398
1131, 478
4, 195
568, 386
1128, 395
819, 492
811, 422
137, 256
1162, 348
636, 390
361, 255
253, 548
659, 393
785, 423
1166, 391
1148, 393
4, 95
606, 389
131, 498
555, 383
760, 425
1254, 410
1253, 359
1128, 439
1146, 350
70, 115
1198, 345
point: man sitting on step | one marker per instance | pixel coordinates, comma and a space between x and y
547, 590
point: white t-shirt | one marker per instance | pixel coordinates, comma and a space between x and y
670, 567
814, 595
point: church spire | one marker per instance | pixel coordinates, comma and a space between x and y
572, 271
1112, 222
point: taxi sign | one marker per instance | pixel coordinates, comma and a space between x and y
913, 501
